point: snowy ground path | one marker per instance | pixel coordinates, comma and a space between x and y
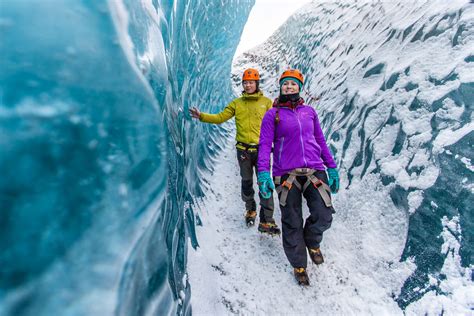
237, 270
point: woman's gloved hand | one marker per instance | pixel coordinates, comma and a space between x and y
333, 177
265, 184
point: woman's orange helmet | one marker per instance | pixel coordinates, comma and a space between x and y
251, 74
292, 73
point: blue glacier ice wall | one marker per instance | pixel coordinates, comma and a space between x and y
97, 157
396, 88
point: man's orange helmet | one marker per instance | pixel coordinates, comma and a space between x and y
251, 74
292, 73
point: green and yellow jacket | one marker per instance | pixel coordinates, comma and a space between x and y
248, 110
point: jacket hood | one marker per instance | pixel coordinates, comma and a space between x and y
289, 104
252, 96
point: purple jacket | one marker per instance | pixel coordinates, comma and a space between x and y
298, 141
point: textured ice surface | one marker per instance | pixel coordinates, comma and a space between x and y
97, 158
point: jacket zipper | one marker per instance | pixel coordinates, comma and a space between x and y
281, 149
301, 137
248, 121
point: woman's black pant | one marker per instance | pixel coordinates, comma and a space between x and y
297, 236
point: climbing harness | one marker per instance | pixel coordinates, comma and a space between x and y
287, 184
247, 147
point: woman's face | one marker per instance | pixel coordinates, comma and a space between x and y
250, 86
290, 87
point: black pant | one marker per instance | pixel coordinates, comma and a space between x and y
296, 237
248, 163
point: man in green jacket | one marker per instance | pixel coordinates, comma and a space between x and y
248, 110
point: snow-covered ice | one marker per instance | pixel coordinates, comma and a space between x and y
237, 270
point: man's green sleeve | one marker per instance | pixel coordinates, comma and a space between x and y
226, 114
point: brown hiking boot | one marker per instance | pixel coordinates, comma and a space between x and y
268, 228
301, 276
250, 218
316, 255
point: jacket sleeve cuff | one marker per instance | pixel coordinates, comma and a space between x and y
263, 169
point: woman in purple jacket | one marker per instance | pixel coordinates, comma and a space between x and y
300, 158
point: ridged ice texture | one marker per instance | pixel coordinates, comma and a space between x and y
97, 158
396, 87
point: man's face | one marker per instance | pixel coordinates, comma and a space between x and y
250, 86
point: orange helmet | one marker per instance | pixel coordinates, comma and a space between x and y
292, 73
251, 74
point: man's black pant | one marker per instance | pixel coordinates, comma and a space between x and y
248, 163
296, 236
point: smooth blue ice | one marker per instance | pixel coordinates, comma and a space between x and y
98, 159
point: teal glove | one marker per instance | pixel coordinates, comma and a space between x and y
333, 177
265, 184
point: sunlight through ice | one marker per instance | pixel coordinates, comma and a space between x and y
264, 19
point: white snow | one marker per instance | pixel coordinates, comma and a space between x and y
467, 162
457, 287
449, 136
415, 199
238, 270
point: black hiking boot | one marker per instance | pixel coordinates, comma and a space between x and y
301, 276
269, 228
250, 218
316, 255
